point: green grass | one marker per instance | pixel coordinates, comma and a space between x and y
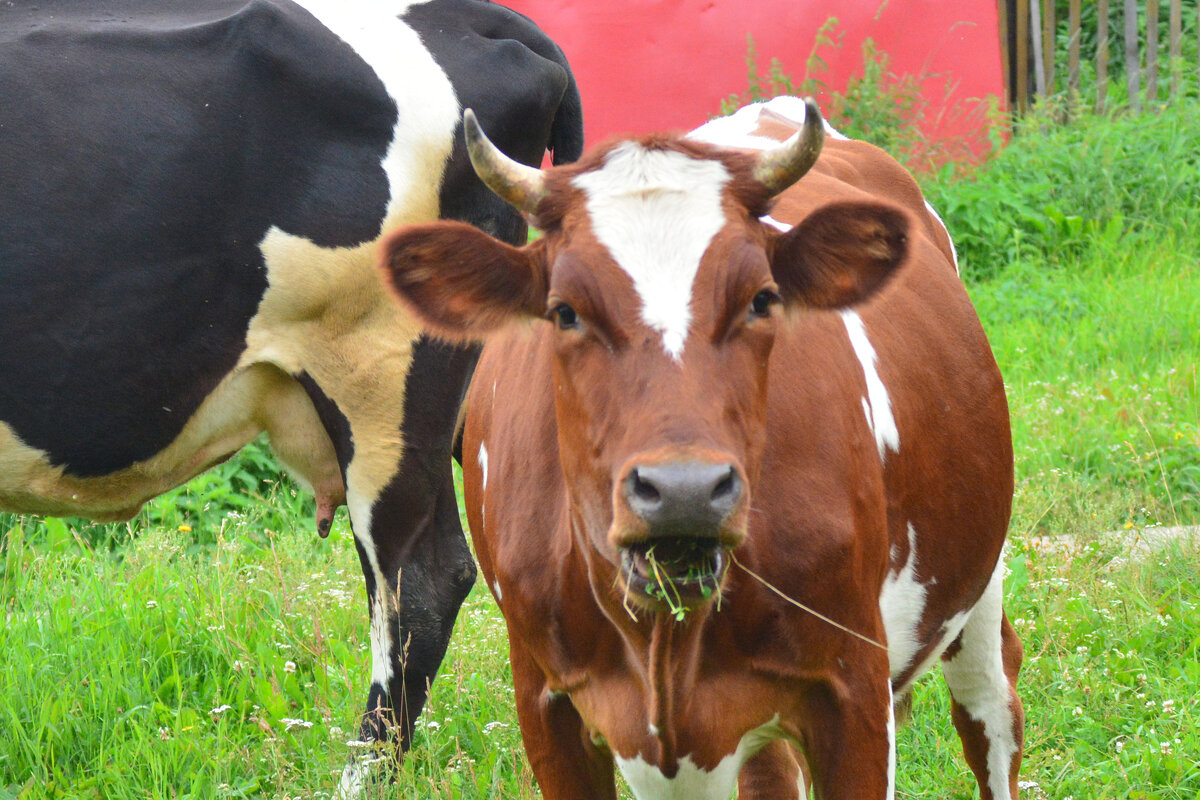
165, 657
116, 658
1100, 359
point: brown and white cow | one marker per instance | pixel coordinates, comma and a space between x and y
730, 376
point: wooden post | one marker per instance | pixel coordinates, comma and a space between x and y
1073, 49
1023, 55
1101, 54
1039, 51
1151, 52
1174, 46
1048, 25
1133, 78
1005, 56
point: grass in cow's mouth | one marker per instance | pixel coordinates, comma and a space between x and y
675, 575
663, 588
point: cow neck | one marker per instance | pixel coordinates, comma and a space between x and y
662, 686
658, 648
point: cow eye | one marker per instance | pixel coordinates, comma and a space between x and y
564, 317
760, 306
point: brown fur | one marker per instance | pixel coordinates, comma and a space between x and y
564, 414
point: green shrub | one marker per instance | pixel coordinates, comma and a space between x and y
1056, 192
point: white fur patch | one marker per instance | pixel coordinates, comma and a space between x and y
950, 630
648, 782
774, 223
483, 463
977, 681
953, 249
891, 735
901, 604
381, 637
353, 783
737, 129
425, 99
877, 405
657, 211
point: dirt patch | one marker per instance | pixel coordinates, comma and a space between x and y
1136, 543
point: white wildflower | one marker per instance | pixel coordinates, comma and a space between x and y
289, 723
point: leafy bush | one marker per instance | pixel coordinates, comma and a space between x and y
1068, 183
1056, 191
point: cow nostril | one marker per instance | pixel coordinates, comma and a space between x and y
726, 488
642, 489
692, 496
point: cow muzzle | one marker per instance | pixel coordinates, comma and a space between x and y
674, 525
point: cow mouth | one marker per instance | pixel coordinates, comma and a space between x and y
678, 573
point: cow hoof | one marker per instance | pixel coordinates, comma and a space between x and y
353, 780
374, 768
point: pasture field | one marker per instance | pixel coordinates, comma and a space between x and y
215, 647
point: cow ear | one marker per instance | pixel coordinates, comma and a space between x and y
840, 254
462, 283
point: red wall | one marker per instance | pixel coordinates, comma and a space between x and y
650, 65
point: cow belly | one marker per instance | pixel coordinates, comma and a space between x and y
248, 401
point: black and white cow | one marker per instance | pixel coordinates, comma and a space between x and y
191, 193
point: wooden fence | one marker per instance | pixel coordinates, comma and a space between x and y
1029, 39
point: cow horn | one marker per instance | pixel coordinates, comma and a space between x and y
520, 186
784, 165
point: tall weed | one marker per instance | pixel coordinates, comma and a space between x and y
878, 105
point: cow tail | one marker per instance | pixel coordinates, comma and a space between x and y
566, 132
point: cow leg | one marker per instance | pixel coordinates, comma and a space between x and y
850, 731
773, 773
415, 560
981, 669
415, 588
567, 764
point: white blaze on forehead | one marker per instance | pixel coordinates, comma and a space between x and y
657, 211
877, 405
648, 782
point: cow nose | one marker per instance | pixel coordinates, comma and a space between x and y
683, 498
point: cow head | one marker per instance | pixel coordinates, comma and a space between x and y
661, 293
